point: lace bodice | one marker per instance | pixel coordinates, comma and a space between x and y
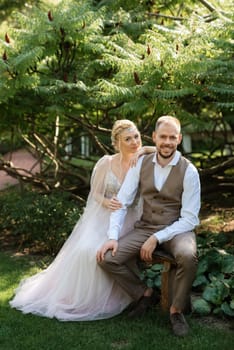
112, 185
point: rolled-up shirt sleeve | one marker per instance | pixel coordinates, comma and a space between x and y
191, 202
126, 196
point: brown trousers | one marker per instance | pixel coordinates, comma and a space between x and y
123, 268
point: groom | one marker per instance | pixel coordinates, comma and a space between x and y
170, 187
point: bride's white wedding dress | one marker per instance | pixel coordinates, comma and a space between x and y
74, 287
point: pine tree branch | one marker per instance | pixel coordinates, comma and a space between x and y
23, 175
91, 130
218, 168
210, 7
173, 18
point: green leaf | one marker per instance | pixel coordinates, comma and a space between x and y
228, 264
231, 282
215, 275
150, 273
156, 267
202, 266
201, 306
200, 280
216, 292
217, 311
214, 259
227, 309
150, 283
157, 281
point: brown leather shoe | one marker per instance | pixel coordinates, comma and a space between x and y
179, 325
143, 305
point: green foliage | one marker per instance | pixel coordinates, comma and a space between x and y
7, 7
91, 62
50, 56
9, 143
38, 221
214, 281
60, 56
215, 274
152, 275
201, 306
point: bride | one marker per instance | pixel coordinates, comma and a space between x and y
74, 287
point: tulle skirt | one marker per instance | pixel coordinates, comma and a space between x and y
74, 287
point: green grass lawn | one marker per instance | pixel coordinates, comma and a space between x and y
19, 331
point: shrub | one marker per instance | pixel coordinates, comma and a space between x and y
38, 221
215, 275
214, 284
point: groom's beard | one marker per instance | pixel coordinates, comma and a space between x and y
168, 155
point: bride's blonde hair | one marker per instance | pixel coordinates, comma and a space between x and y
118, 127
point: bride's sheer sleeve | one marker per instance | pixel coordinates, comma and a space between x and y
98, 180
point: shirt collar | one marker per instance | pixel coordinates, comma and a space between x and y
173, 162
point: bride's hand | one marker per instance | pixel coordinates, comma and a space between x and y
114, 204
143, 150
135, 157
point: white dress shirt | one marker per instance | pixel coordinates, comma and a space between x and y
190, 199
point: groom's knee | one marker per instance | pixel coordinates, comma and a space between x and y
108, 262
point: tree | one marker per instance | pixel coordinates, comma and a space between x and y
48, 73
7, 7
83, 64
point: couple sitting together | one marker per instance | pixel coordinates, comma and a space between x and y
141, 198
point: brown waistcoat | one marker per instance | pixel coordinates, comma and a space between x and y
161, 208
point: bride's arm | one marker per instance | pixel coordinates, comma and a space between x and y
98, 185
143, 150
98, 181
146, 150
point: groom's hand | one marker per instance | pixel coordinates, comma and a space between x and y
147, 248
112, 244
